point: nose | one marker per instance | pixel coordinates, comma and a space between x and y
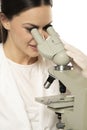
43, 33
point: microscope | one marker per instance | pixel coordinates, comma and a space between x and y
70, 108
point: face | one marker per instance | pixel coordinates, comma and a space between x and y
20, 40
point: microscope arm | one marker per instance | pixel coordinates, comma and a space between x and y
70, 78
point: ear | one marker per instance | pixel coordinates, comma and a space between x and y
4, 21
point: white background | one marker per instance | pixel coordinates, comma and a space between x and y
70, 21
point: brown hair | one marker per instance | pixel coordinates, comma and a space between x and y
10, 8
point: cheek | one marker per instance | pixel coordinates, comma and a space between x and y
21, 34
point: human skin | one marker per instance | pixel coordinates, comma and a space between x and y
20, 46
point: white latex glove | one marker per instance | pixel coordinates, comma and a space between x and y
79, 58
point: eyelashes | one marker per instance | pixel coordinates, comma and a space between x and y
29, 29
44, 28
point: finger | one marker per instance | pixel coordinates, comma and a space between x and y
80, 61
73, 49
77, 67
35, 33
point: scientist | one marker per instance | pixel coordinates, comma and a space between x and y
22, 70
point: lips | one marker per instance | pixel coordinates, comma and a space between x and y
33, 47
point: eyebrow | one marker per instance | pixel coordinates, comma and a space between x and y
36, 26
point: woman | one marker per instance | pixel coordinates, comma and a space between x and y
22, 70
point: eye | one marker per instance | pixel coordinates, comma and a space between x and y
29, 29
45, 28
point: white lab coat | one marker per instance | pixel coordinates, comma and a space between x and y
12, 113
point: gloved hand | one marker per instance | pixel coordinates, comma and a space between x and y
79, 58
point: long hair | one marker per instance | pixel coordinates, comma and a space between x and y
10, 8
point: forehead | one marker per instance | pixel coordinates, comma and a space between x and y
38, 15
